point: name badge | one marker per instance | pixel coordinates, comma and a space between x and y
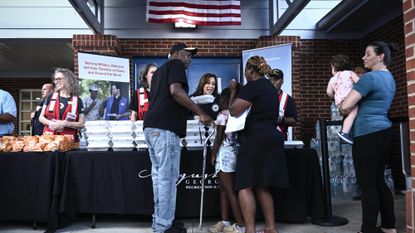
70, 116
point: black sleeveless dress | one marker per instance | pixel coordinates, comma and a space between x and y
261, 159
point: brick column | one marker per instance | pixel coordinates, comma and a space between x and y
102, 44
409, 30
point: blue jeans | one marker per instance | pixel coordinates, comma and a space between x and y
164, 149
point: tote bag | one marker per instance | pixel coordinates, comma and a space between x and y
235, 124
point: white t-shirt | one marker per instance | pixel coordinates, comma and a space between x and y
222, 119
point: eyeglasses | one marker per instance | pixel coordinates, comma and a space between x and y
58, 79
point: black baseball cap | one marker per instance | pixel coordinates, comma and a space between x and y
276, 73
180, 46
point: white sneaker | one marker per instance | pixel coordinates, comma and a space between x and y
232, 229
218, 227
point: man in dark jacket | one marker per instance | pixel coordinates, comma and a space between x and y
37, 126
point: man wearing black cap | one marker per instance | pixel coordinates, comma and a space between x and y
287, 110
164, 123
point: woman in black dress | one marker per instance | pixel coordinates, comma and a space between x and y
261, 162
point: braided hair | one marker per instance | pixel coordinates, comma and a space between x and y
259, 64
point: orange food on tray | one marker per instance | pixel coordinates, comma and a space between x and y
46, 142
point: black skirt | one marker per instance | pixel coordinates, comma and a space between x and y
261, 159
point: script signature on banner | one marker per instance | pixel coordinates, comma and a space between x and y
192, 181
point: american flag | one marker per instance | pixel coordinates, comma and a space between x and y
196, 12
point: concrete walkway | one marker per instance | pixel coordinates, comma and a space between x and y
129, 224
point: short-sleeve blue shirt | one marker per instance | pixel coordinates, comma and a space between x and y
7, 105
377, 89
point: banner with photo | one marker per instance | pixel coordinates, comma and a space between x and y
104, 81
278, 56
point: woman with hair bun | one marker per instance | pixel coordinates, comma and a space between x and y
261, 162
373, 136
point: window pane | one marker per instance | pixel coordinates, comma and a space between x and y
25, 126
25, 133
26, 106
25, 95
25, 116
37, 95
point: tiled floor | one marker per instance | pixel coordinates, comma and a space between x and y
129, 224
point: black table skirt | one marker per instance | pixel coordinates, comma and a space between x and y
120, 182
107, 182
304, 197
30, 186
45, 186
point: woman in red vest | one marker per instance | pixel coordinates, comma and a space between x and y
62, 111
140, 102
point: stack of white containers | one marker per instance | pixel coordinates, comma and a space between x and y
96, 133
121, 134
196, 135
139, 135
127, 135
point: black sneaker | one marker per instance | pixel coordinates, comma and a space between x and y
346, 137
176, 229
357, 198
178, 224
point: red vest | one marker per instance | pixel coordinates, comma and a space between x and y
53, 112
283, 129
142, 101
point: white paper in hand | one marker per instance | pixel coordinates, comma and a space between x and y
235, 124
203, 99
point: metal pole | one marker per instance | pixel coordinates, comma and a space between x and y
202, 190
329, 219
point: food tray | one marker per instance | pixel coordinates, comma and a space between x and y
97, 148
123, 148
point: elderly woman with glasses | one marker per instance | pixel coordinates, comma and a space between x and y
62, 111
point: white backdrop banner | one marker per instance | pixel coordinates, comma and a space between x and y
102, 67
278, 56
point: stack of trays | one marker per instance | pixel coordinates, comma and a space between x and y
83, 143
196, 135
293, 144
139, 136
97, 136
121, 134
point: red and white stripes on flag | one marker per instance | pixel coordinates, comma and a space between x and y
197, 12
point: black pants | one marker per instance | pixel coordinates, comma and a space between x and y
370, 152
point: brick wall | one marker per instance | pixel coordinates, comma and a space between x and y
394, 33
206, 48
408, 21
13, 85
311, 68
314, 74
315, 56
